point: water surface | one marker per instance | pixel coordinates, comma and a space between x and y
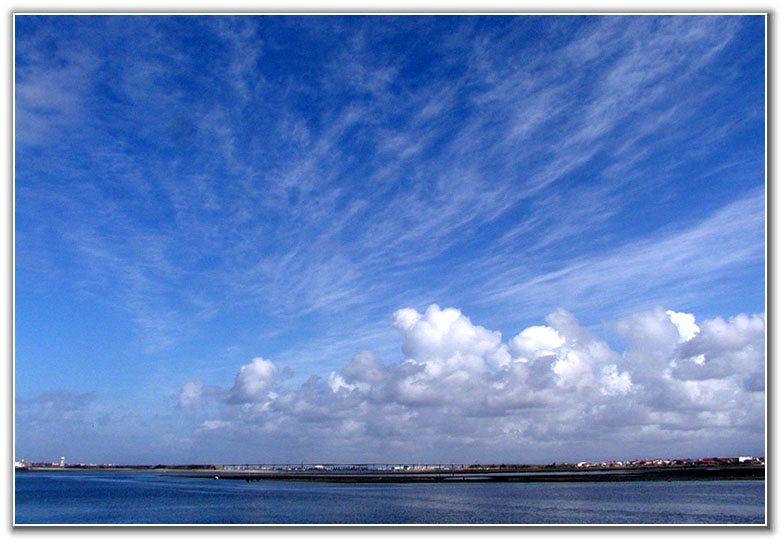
148, 498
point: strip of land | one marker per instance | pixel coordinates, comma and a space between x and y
465, 476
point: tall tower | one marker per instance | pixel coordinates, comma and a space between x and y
62, 461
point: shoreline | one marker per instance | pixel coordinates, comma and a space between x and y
624, 474
668, 474
530, 474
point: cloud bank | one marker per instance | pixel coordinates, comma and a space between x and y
554, 388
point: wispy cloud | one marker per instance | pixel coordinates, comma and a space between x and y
686, 262
285, 184
310, 228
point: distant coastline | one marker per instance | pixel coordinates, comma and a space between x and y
441, 473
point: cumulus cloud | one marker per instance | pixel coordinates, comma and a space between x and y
251, 386
687, 327
724, 349
460, 383
253, 381
442, 334
536, 341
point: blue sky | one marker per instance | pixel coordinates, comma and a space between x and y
249, 239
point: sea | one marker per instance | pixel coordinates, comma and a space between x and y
149, 498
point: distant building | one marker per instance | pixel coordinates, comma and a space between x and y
62, 461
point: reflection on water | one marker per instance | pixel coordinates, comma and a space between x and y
148, 498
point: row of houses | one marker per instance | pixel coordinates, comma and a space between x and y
673, 462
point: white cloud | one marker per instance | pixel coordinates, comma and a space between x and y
253, 382
213, 425
550, 384
191, 394
612, 382
651, 337
687, 328
535, 341
723, 349
672, 261
445, 335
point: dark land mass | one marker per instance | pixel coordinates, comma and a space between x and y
703, 469
475, 475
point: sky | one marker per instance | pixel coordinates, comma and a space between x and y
389, 239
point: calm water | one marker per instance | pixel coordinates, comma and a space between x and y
148, 498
